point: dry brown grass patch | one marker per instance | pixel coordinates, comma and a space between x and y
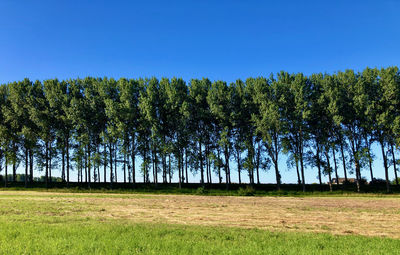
337, 215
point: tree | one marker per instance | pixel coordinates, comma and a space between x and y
43, 116
200, 122
296, 111
201, 127
349, 111
177, 101
388, 115
128, 124
269, 118
219, 100
109, 94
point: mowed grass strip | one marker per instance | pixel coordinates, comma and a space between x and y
93, 237
63, 223
346, 215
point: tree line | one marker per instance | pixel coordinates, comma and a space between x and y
97, 128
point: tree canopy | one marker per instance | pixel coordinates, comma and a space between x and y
174, 127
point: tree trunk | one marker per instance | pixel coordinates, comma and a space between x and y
14, 172
47, 164
275, 161
50, 165
164, 168
67, 152
146, 172
302, 174
201, 164
258, 162
208, 164
385, 165
124, 166
115, 163
111, 165
358, 175
207, 173
14, 175
144, 165
155, 168
133, 160
344, 161
226, 167
80, 169
209, 169
219, 167
152, 165
98, 163
329, 169
238, 165
169, 168
356, 164
334, 161
278, 176
105, 163
6, 174
319, 165
298, 172
369, 159
31, 165
89, 166
86, 166
179, 170
394, 166
63, 164
186, 167
26, 168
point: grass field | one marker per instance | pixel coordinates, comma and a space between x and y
100, 223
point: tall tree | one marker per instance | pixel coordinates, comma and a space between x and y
200, 121
388, 114
296, 111
219, 99
269, 118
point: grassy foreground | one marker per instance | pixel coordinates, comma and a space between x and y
92, 237
46, 223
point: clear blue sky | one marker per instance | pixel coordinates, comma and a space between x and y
193, 39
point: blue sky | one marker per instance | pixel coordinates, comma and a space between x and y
193, 39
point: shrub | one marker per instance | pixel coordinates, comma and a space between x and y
378, 182
363, 181
201, 191
248, 191
394, 180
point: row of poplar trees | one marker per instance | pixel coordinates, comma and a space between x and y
96, 126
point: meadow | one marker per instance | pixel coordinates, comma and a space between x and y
37, 222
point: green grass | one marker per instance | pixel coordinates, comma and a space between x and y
50, 226
60, 236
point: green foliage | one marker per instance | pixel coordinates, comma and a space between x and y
247, 191
393, 182
93, 124
201, 191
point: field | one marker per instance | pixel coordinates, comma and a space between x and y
99, 223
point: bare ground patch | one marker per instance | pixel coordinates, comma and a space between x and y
337, 215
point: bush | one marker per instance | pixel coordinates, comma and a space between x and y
378, 182
248, 191
363, 181
394, 180
201, 191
